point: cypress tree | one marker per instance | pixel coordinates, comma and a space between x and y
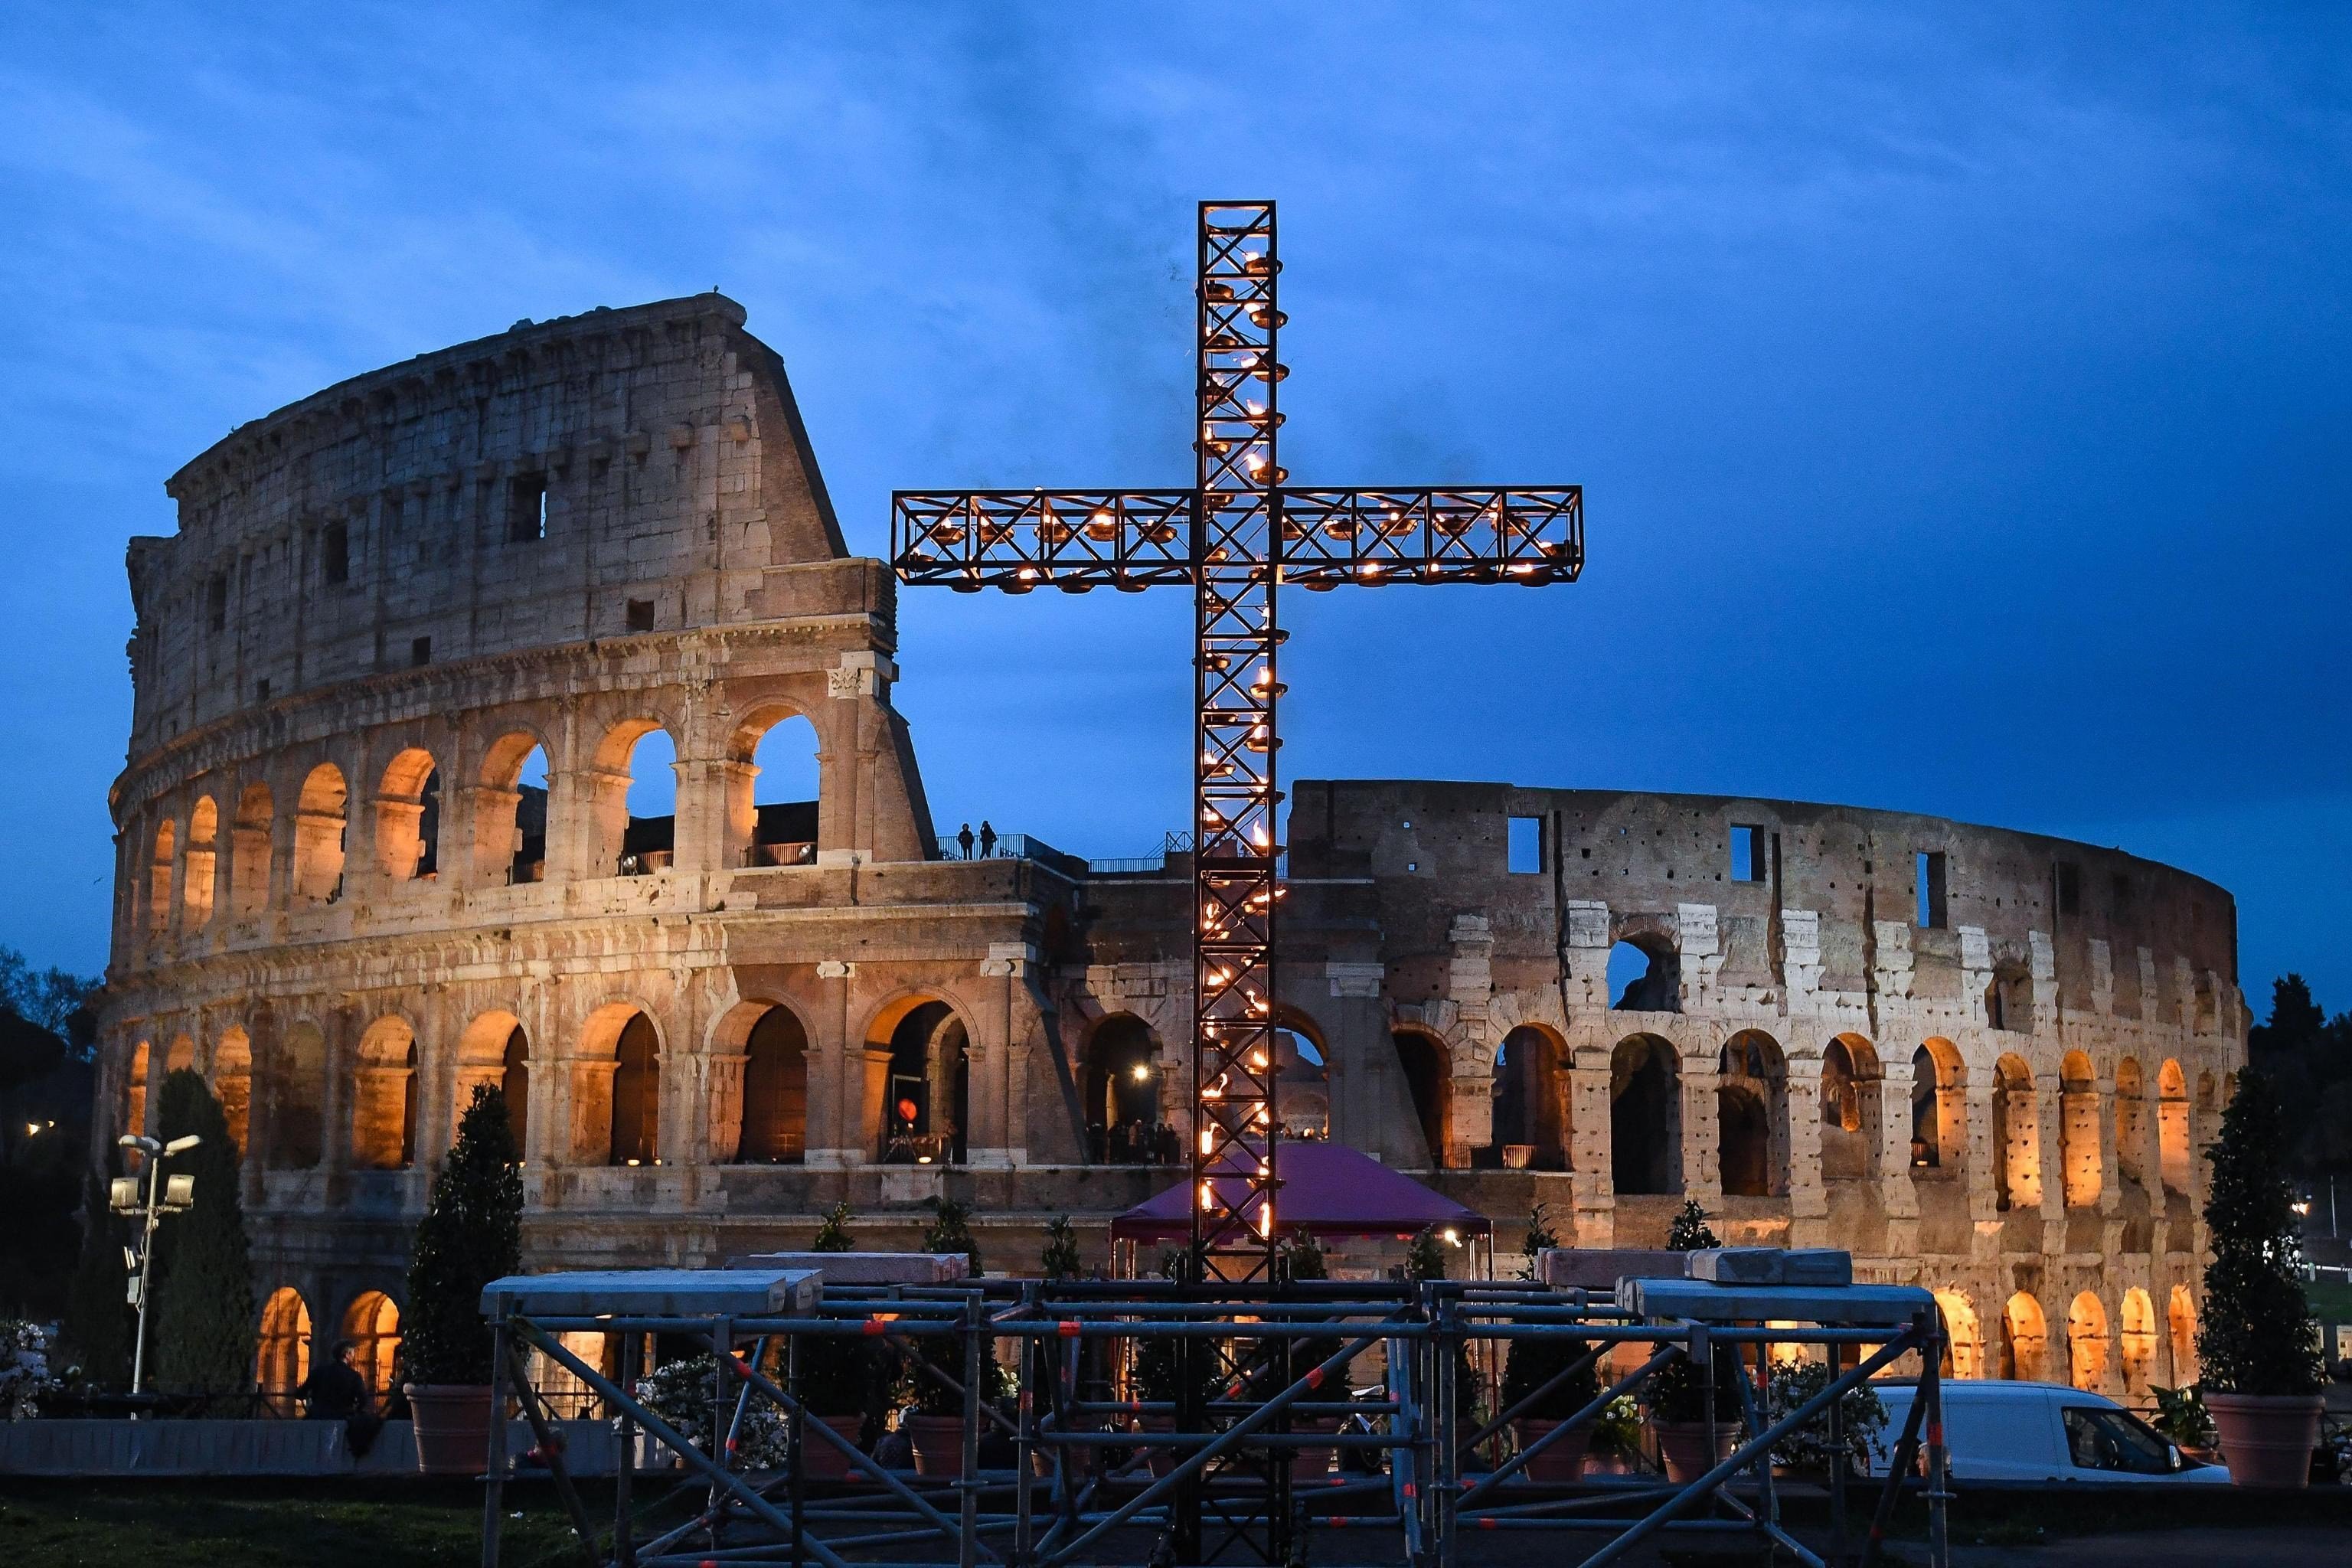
471, 1234
2256, 1336
99, 1322
201, 1318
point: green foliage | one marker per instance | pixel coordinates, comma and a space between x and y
1533, 1363
844, 1376
834, 1235
1540, 1235
57, 1001
2181, 1417
201, 1319
1060, 1259
2307, 1056
943, 1353
471, 1234
2256, 1336
684, 1395
27, 1372
1864, 1413
1617, 1430
1690, 1231
1678, 1391
951, 1230
1425, 1260
99, 1322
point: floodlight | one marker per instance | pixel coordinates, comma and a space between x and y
132, 1141
181, 1146
122, 1194
180, 1191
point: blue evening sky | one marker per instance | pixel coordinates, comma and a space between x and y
1961, 392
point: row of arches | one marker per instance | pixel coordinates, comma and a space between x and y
626, 792
2137, 1354
285, 1349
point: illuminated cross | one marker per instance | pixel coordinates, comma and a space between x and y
1233, 538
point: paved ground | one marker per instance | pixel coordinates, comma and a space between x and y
2287, 1546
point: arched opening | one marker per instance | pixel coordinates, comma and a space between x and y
1645, 976
1849, 1110
371, 1325
1939, 1111
1529, 1126
2172, 1127
2086, 1343
2138, 1342
775, 1090
923, 1050
1751, 1100
1303, 1089
773, 793
134, 1106
1421, 1058
249, 853
2078, 1130
1122, 1093
1964, 1353
2023, 1335
2009, 999
296, 1108
159, 877
2017, 1136
204, 843
319, 836
635, 1127
233, 1085
510, 812
282, 1361
408, 818
514, 1087
1645, 1116
2180, 1317
2131, 1123
182, 1057
635, 799
383, 1097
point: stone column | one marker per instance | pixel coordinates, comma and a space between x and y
723, 1142
837, 1077
1701, 1132
996, 1085
711, 834
1359, 1065
588, 1139
1898, 1198
1591, 1154
2050, 1132
478, 841
1809, 1205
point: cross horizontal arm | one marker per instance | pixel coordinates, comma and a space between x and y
1529, 536
1020, 539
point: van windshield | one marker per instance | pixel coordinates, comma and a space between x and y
2100, 1439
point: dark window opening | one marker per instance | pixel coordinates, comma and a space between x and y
335, 553
2070, 888
641, 615
1526, 847
216, 601
1929, 868
1750, 862
261, 691
527, 509
420, 652
1642, 980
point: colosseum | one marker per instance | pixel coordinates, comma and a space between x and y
423, 639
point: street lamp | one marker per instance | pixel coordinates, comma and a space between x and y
176, 1195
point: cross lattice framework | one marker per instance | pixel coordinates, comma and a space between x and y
1234, 538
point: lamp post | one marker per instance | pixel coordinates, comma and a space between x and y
176, 1195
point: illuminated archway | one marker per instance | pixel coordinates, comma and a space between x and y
2024, 1337
372, 1324
1966, 1347
2086, 1343
283, 1359
1645, 1116
2138, 1341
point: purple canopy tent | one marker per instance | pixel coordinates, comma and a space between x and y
1327, 1190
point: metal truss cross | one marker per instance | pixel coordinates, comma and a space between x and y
1235, 538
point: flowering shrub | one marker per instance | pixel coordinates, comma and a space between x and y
1808, 1447
679, 1394
24, 1375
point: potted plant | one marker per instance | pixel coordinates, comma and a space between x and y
840, 1379
2261, 1368
1678, 1393
471, 1234
1807, 1451
1535, 1361
1061, 1261
684, 1393
935, 1428
1303, 1260
1616, 1437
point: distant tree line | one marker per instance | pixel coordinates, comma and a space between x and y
2307, 1056
48, 1036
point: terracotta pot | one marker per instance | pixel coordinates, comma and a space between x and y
1313, 1465
452, 1424
1689, 1449
2267, 1438
1563, 1461
939, 1443
820, 1460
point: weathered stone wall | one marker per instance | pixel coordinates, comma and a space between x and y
347, 953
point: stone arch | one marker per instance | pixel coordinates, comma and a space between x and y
768, 821
1751, 1101
2172, 1126
2086, 1343
372, 1327
1939, 1109
2024, 1336
626, 843
1530, 1099
134, 1108
1850, 1108
199, 860
1121, 1091
182, 1057
408, 817
617, 1104
1428, 1072
2078, 1130
2180, 1319
1964, 1346
1302, 1095
1645, 968
318, 833
232, 1077
770, 1120
299, 1097
282, 1359
918, 1062
383, 1096
1645, 1121
511, 810
2138, 1341
493, 1049
162, 865
2016, 1136
250, 851
2131, 1122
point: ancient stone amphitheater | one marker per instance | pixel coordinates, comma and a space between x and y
419, 635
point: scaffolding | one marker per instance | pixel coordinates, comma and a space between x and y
1095, 1471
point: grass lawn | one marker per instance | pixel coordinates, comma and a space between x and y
2331, 1301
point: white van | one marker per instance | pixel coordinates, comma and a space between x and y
2047, 1432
